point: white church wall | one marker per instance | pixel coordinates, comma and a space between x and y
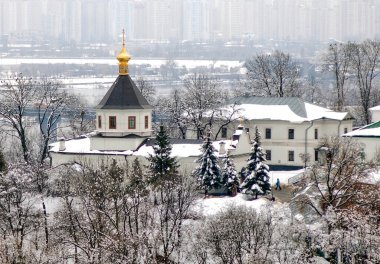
116, 144
187, 164
122, 120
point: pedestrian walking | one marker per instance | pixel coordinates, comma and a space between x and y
278, 184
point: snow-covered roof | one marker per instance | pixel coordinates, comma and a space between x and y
375, 108
290, 109
180, 148
371, 130
82, 146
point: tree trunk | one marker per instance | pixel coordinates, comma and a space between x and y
45, 223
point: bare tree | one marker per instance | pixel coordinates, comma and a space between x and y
51, 104
312, 90
337, 60
240, 235
337, 181
80, 118
200, 105
365, 60
25, 99
274, 75
173, 202
223, 117
202, 99
146, 89
19, 219
18, 97
172, 114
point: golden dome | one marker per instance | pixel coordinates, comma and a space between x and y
123, 55
123, 59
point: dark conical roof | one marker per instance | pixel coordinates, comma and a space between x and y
124, 94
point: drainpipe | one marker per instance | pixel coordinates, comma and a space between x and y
340, 123
307, 129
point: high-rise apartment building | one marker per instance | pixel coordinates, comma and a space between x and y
196, 20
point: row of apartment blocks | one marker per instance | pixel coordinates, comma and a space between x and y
291, 129
94, 21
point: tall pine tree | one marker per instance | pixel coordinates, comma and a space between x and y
257, 180
163, 167
229, 173
208, 172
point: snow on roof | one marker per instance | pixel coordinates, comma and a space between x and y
371, 130
183, 150
79, 145
285, 109
374, 132
317, 112
82, 146
375, 108
270, 112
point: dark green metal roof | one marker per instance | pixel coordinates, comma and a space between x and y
297, 105
373, 125
124, 94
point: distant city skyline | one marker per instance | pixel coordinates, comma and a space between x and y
101, 21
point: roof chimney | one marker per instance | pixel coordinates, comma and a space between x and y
222, 148
62, 144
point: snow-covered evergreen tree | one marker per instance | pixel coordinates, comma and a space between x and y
257, 172
229, 173
208, 171
163, 167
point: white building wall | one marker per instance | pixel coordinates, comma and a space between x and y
116, 144
280, 145
187, 164
371, 147
122, 121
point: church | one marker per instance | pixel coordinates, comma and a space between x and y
124, 131
291, 129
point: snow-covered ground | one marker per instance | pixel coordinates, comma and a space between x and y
213, 205
374, 177
283, 176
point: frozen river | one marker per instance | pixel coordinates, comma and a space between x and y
92, 88
156, 63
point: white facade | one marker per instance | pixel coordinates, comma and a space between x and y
375, 113
80, 150
130, 121
369, 138
306, 122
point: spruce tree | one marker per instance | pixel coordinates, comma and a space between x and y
229, 173
208, 172
257, 172
163, 167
